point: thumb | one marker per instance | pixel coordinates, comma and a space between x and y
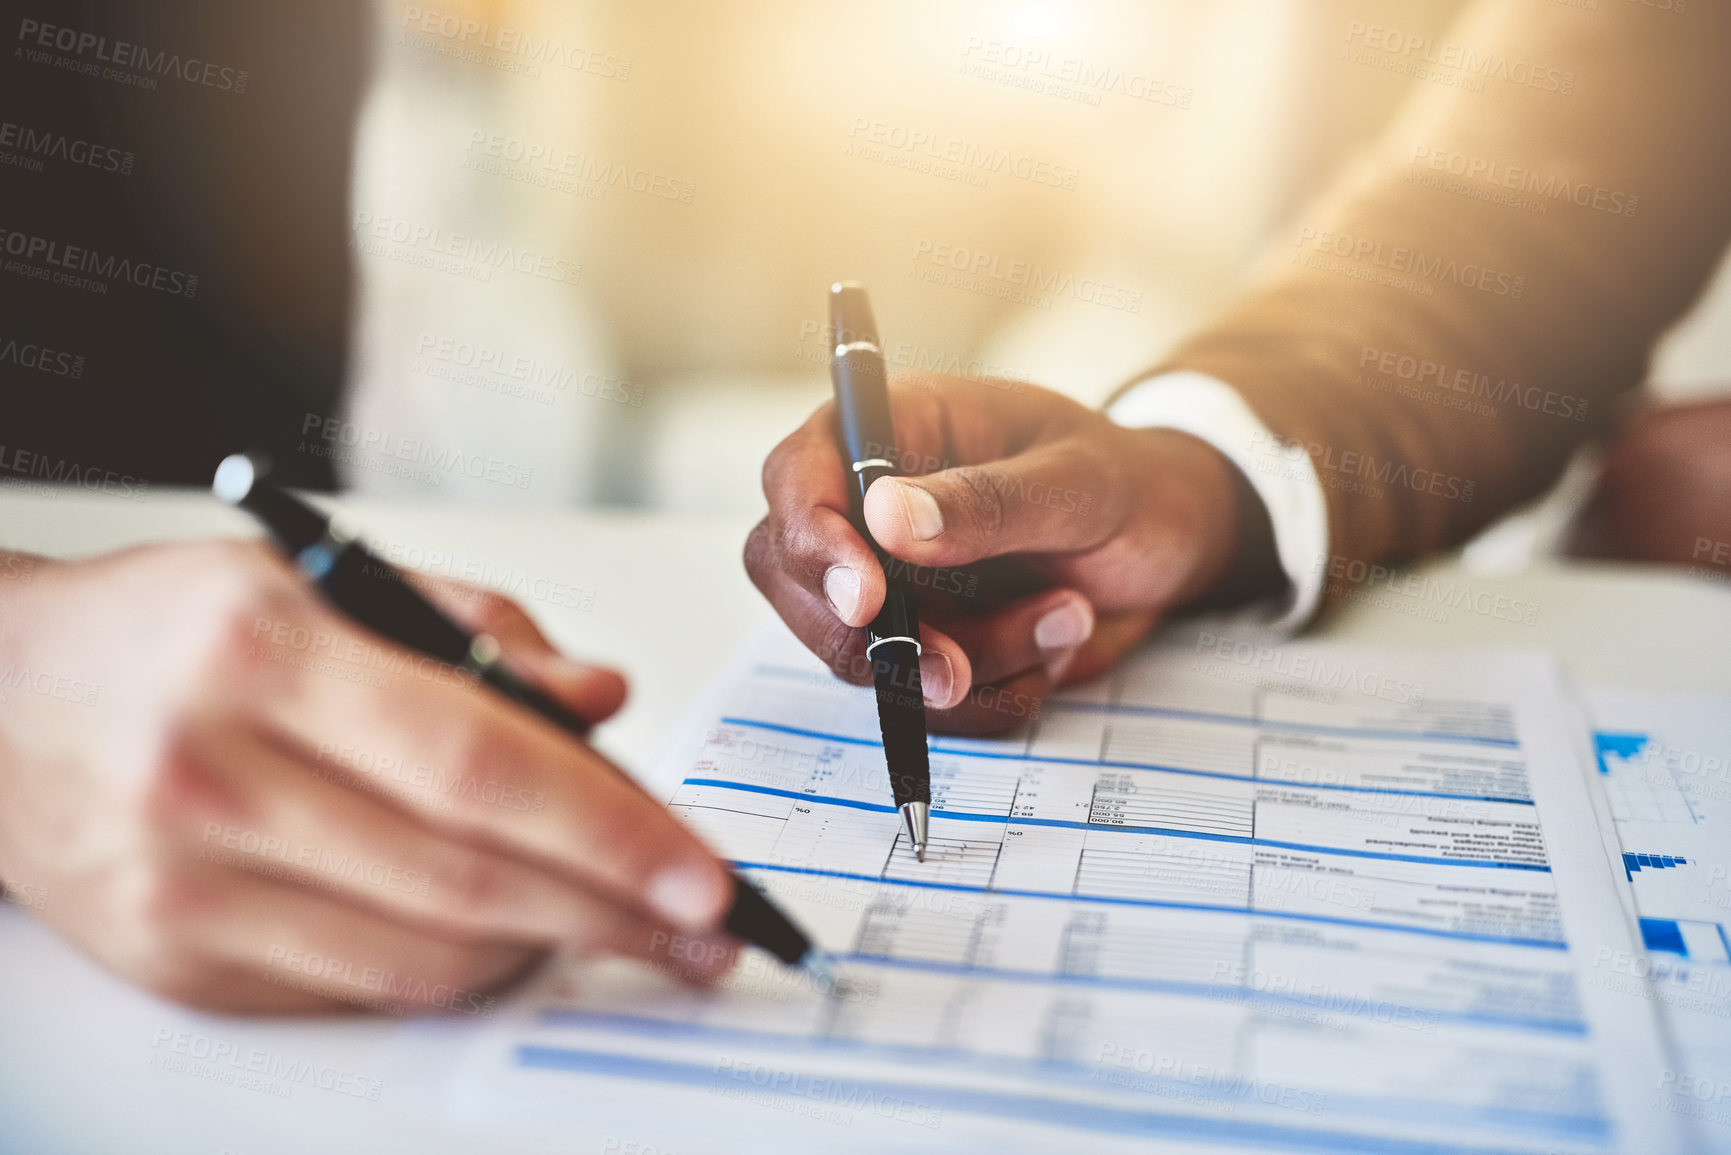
1058, 498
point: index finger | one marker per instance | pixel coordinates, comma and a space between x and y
813, 542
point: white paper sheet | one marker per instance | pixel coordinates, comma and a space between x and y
1229, 897
1664, 763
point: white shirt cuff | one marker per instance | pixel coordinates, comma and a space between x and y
1211, 410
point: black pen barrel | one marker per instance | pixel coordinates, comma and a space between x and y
862, 395
902, 718
380, 597
863, 407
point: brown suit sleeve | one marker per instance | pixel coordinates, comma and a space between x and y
1460, 311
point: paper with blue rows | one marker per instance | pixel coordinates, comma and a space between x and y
1664, 764
1229, 897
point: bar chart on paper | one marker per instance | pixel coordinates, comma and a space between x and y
1664, 763
1309, 905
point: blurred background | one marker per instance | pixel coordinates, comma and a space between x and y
712, 168
587, 243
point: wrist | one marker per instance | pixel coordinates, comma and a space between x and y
1235, 560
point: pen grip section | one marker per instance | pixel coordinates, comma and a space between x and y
376, 593
863, 479
752, 918
902, 717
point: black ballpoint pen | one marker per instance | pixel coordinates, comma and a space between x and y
378, 595
862, 402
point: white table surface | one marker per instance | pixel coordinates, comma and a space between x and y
671, 601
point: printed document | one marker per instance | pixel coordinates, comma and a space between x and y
1230, 896
1664, 763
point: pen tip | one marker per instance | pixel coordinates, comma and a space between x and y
813, 964
916, 816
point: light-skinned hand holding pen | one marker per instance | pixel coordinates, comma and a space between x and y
253, 805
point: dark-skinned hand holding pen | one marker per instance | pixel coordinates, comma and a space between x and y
1041, 541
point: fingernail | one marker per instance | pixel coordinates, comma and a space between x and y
937, 678
925, 519
841, 586
1064, 628
688, 896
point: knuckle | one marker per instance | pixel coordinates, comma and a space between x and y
178, 977
157, 953
803, 555
444, 967
760, 552
161, 901
467, 752
177, 788
244, 613
778, 475
906, 385
495, 613
769, 476
842, 649
789, 548
979, 498
471, 884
